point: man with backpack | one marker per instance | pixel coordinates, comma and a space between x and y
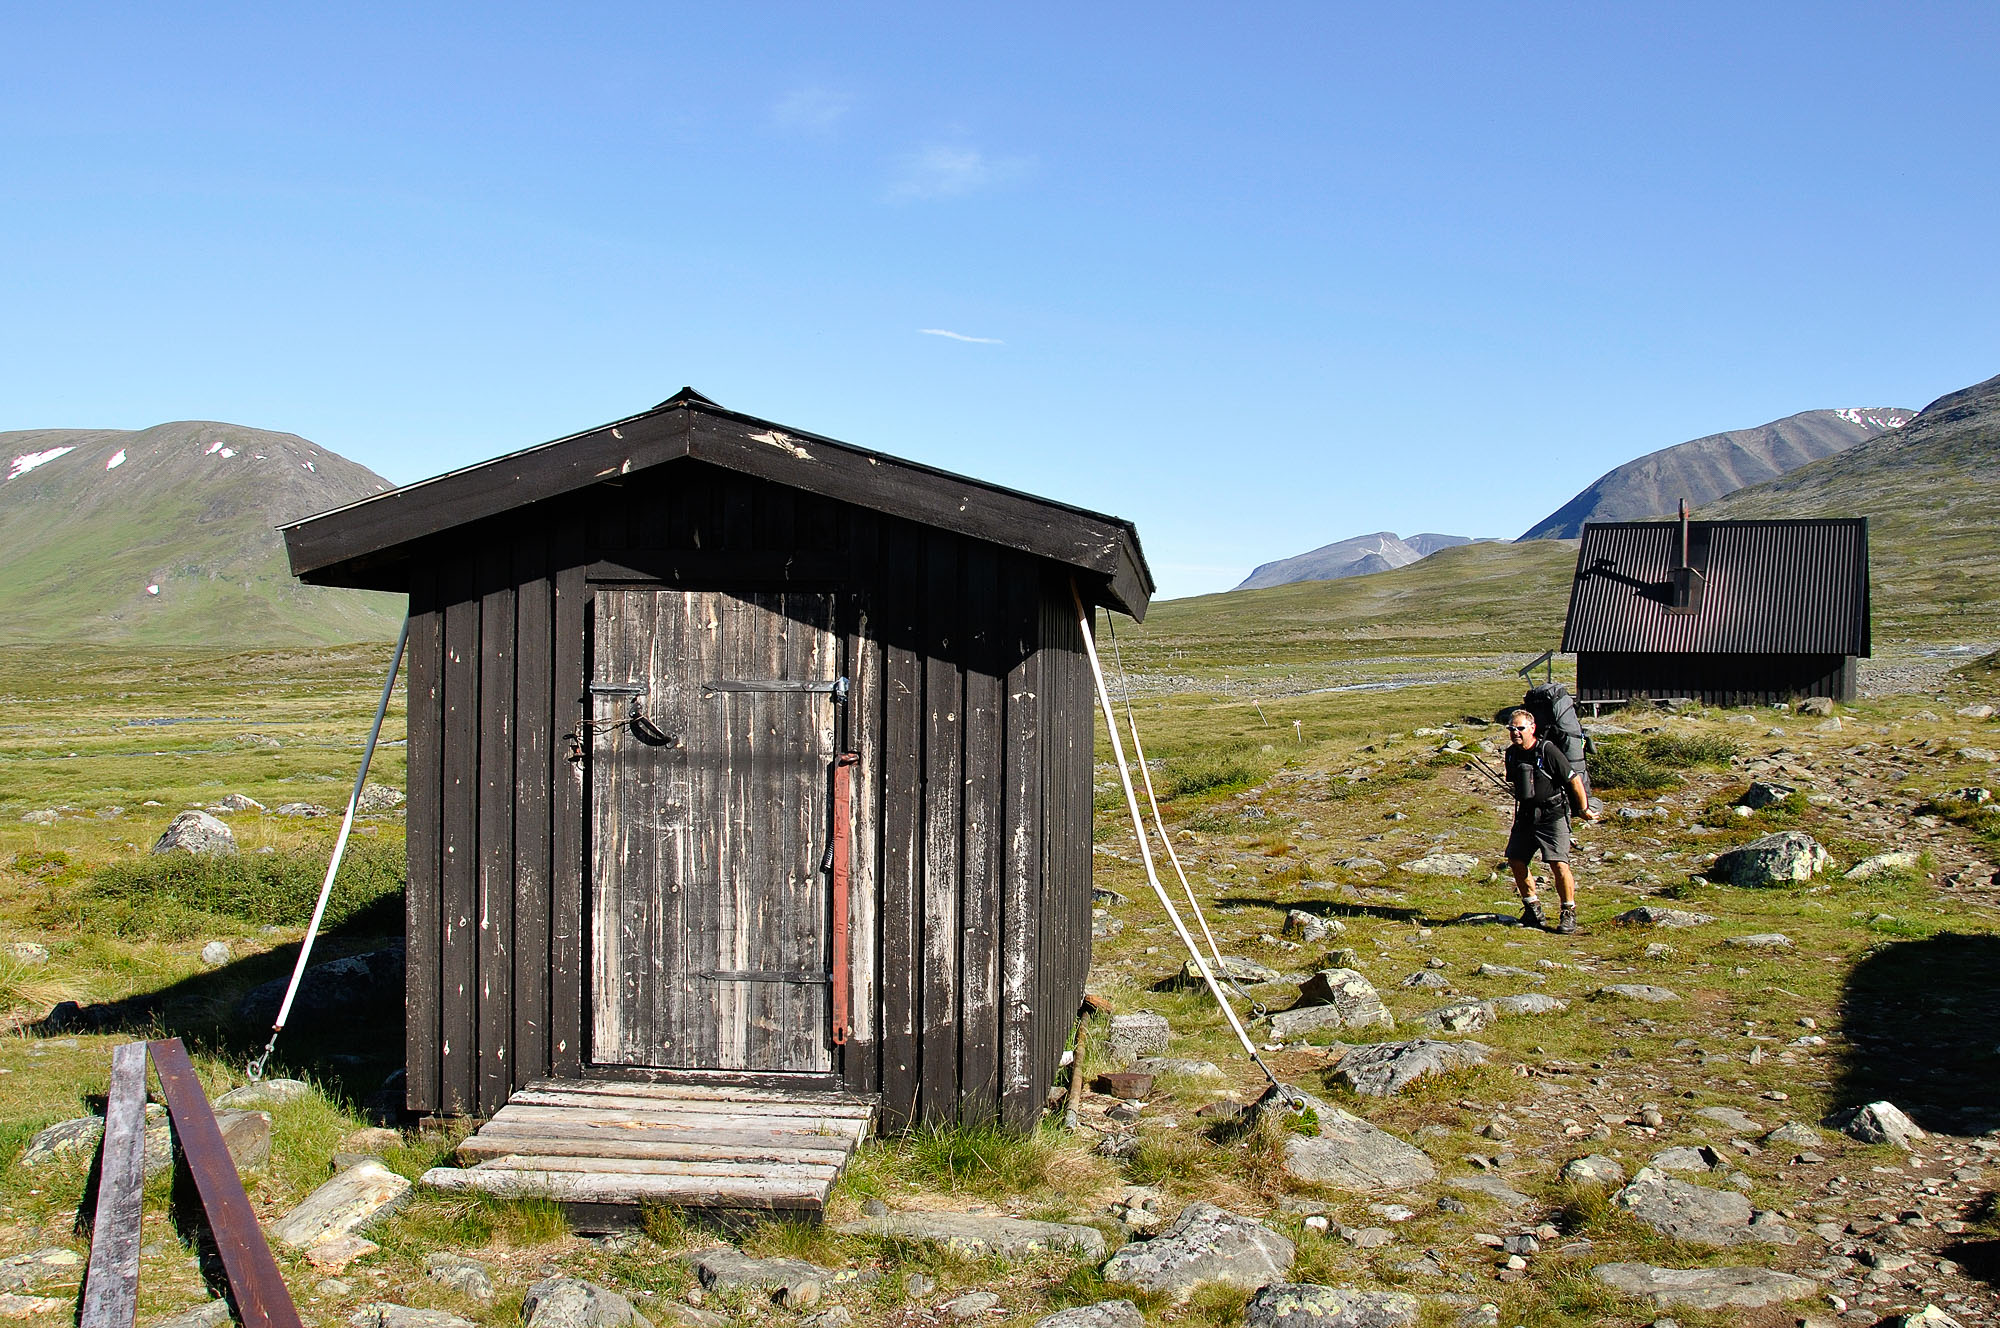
1545, 786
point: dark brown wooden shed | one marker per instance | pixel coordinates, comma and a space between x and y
636, 656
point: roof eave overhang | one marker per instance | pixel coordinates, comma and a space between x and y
368, 543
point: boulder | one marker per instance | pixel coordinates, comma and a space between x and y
1697, 1214
467, 1276
1354, 996
1639, 991
1104, 1314
1493, 1187
378, 798
1135, 1035
967, 1306
381, 1314
247, 1136
1533, 1002
335, 990
1729, 1118
63, 1140
1819, 707
1303, 1305
1705, 1288
1594, 1170
1205, 1244
1160, 1065
1976, 711
335, 1253
13, 1305
265, 1093
1763, 940
980, 1234
196, 832
307, 809
1646, 915
348, 1202
1793, 1134
1235, 968
1761, 794
571, 1302
1884, 864
54, 1264
1789, 855
215, 954
1882, 1123
1311, 927
1458, 865
793, 1283
1427, 979
1383, 1068
1702, 1158
208, 1314
1459, 1017
1349, 1153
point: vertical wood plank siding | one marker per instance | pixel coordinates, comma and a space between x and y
970, 709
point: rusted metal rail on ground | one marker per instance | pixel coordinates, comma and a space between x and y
111, 1285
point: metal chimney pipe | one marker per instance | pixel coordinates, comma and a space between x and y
1684, 533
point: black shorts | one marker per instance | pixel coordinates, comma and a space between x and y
1533, 834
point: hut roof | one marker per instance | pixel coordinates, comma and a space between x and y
1772, 587
369, 543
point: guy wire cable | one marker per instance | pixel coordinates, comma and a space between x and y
1146, 776
255, 1069
1146, 849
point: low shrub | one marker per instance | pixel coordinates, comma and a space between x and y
1621, 765
1682, 751
1211, 770
174, 896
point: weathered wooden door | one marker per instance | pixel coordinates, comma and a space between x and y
710, 931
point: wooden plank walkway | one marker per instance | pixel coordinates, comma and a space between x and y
594, 1143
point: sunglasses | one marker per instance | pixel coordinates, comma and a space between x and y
1517, 728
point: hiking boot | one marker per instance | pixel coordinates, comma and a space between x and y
1531, 914
1566, 923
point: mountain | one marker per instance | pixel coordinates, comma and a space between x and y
1707, 468
1931, 493
1351, 557
164, 536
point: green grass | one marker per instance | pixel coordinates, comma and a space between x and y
175, 896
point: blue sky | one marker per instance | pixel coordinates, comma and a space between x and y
1256, 280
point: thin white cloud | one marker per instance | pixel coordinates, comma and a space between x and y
811, 110
960, 336
942, 171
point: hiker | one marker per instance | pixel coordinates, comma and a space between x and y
1545, 786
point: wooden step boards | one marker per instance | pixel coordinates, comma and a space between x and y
593, 1144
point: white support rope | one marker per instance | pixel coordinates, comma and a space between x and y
255, 1070
1160, 825
1145, 841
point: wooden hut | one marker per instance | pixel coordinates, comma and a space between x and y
1724, 612
661, 675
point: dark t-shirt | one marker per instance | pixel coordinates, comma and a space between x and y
1539, 777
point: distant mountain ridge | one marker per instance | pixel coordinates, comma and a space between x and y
1931, 493
1351, 557
166, 536
1704, 469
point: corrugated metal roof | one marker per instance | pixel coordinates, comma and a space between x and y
1773, 587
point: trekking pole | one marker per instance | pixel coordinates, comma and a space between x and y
1487, 770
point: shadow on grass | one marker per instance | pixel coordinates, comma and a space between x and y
1919, 1017
346, 1028
1325, 908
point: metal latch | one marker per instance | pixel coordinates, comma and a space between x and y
766, 975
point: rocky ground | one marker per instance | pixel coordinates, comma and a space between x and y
1756, 1088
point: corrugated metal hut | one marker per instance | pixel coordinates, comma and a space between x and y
636, 656
1725, 612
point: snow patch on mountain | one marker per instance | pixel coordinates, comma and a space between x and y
117, 460
27, 461
1879, 419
